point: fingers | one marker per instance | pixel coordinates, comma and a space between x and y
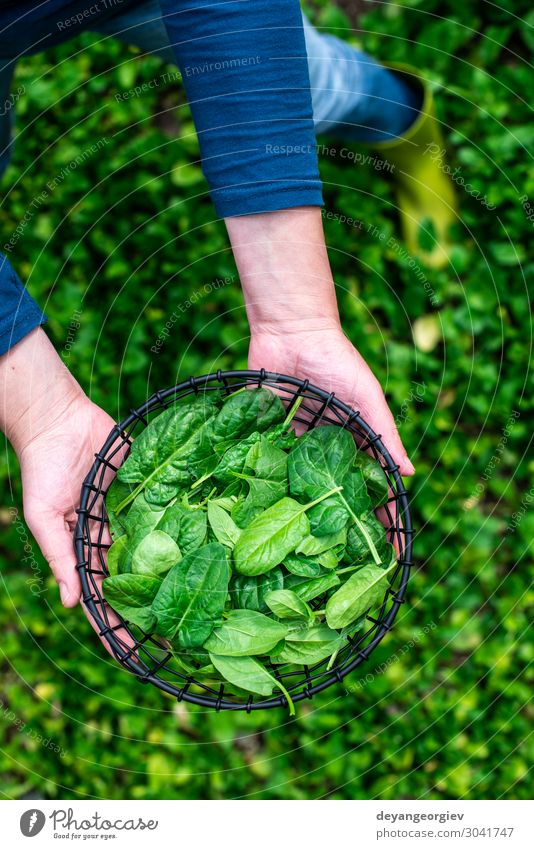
56, 543
377, 414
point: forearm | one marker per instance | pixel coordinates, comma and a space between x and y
283, 264
35, 388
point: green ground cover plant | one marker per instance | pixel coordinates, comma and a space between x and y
129, 239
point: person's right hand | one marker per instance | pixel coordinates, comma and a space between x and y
327, 359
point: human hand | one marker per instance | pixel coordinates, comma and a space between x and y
293, 315
54, 463
327, 359
55, 430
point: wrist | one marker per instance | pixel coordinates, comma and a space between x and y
36, 390
284, 270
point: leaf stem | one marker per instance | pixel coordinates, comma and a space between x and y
322, 497
290, 704
349, 568
292, 413
363, 531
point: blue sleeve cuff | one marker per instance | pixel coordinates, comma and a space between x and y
265, 196
19, 314
249, 93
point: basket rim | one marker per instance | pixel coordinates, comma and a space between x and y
154, 402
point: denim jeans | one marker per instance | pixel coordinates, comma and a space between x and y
353, 97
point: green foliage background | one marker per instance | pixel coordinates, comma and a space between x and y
125, 240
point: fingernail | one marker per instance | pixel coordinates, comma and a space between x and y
64, 592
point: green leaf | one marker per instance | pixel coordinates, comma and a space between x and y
163, 455
248, 592
286, 604
249, 674
329, 559
357, 549
155, 554
131, 596
312, 545
309, 588
141, 518
116, 493
186, 525
222, 525
191, 599
363, 590
119, 556
272, 535
309, 645
246, 412
322, 459
269, 482
374, 477
234, 458
280, 437
307, 567
245, 632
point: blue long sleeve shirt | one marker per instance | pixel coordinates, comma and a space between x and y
250, 100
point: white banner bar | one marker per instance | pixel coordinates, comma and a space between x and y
264, 825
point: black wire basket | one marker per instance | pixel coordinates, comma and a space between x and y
145, 654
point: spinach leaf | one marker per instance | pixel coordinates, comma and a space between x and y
141, 518
329, 559
245, 511
357, 550
155, 555
162, 456
245, 632
131, 596
309, 588
191, 598
246, 412
320, 460
119, 557
248, 592
225, 502
375, 479
267, 485
312, 545
269, 464
280, 437
249, 674
222, 525
272, 535
286, 604
328, 518
309, 645
234, 458
363, 590
116, 493
307, 567
186, 525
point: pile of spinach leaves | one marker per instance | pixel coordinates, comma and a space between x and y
243, 545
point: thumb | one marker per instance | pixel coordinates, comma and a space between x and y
56, 543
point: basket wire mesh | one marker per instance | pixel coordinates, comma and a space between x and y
145, 654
